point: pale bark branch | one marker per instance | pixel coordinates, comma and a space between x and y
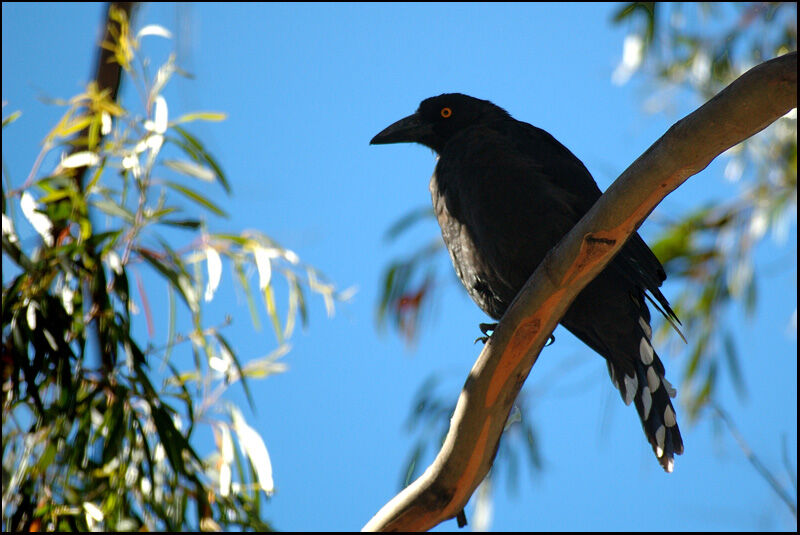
748, 105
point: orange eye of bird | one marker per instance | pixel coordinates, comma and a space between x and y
446, 112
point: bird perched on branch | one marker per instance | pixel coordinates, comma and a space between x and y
505, 193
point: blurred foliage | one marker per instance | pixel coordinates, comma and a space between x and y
430, 417
100, 432
409, 283
707, 252
686, 48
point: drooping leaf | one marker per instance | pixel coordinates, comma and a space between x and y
192, 146
196, 197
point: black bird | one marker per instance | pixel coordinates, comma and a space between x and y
505, 193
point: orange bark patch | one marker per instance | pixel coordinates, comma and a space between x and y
593, 247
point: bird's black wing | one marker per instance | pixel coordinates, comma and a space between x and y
510, 175
635, 261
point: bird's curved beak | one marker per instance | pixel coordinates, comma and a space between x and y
409, 129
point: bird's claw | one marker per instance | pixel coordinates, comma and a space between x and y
485, 328
490, 327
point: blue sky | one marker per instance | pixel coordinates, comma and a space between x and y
305, 88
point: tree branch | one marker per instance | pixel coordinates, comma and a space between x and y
108, 75
748, 105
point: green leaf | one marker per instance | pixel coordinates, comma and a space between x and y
185, 396
172, 274
646, 10
11, 118
116, 426
169, 437
170, 322
98, 170
301, 301
196, 197
47, 457
191, 169
732, 359
533, 448
405, 222
113, 209
56, 196
73, 126
234, 238
201, 116
192, 146
251, 304
192, 224
266, 365
158, 214
180, 379
411, 465
272, 311
120, 286
221, 339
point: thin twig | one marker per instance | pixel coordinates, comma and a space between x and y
755, 461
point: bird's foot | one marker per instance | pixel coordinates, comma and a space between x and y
485, 328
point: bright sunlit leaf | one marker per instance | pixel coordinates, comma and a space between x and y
160, 115
291, 256
38, 220
154, 29
185, 285
219, 364
225, 479
191, 169
80, 159
51, 341
254, 448
226, 444
8, 229
105, 123
67, 294
263, 265
93, 514
154, 143
30, 316
114, 261
632, 55
214, 263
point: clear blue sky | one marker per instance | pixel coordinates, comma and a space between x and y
306, 87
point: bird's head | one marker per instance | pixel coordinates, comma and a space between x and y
439, 118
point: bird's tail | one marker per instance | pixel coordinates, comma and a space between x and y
651, 392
